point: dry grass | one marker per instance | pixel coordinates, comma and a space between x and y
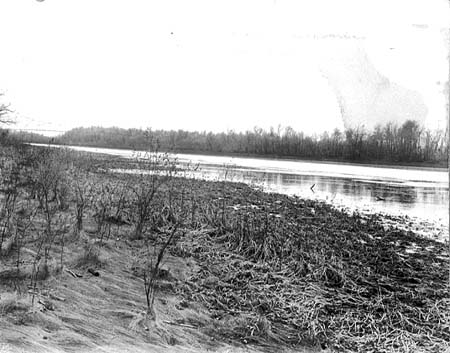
13, 302
319, 276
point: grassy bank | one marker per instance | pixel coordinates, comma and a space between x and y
239, 266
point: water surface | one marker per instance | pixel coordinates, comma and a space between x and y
420, 193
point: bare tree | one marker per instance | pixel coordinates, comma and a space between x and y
5, 112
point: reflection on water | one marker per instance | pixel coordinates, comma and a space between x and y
424, 202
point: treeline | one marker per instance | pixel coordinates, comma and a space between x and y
8, 137
407, 143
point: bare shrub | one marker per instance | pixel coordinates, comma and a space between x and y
51, 190
152, 269
154, 170
90, 257
10, 180
50, 181
110, 203
82, 191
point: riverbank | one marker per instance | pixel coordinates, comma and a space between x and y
271, 252
419, 194
246, 269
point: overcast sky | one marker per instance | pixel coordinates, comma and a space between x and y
218, 65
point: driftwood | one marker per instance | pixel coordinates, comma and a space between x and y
47, 304
180, 324
93, 272
55, 297
74, 274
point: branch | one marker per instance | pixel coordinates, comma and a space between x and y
4, 112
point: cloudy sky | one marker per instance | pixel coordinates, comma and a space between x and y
218, 65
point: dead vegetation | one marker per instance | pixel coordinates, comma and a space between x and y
300, 272
272, 270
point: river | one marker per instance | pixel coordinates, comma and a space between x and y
419, 193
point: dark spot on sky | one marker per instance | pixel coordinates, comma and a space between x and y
420, 25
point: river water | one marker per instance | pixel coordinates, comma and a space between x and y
419, 193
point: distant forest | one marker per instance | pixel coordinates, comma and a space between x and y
409, 143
